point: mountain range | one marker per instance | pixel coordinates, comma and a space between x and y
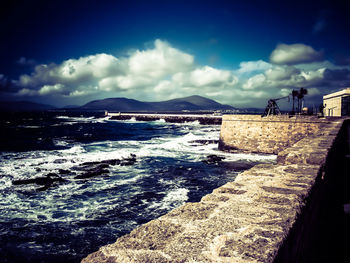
192, 103
24, 106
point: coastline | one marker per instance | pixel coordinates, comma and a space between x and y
266, 214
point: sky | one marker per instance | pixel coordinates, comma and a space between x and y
240, 53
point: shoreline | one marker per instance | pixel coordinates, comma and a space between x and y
266, 215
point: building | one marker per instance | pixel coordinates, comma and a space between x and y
337, 104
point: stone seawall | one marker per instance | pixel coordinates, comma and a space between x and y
270, 213
253, 133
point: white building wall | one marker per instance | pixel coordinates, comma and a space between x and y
333, 103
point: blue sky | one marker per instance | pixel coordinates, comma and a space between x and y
236, 52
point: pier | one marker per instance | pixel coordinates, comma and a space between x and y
168, 117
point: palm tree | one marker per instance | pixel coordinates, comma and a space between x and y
294, 95
302, 92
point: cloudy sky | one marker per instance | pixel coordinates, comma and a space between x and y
236, 52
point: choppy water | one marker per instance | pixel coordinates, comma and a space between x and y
68, 219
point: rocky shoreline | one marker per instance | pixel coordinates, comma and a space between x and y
89, 170
82, 171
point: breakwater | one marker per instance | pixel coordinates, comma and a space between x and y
279, 212
173, 118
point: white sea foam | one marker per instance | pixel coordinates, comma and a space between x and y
196, 122
30, 126
72, 120
62, 117
176, 195
172, 199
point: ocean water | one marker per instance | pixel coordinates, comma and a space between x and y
71, 183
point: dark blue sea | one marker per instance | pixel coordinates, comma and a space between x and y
73, 182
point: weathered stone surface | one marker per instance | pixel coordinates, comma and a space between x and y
253, 133
312, 149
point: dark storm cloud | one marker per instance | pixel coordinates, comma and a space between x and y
342, 60
7, 85
337, 75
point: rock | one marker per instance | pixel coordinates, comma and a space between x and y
92, 169
213, 159
89, 163
47, 181
96, 171
205, 142
60, 161
63, 171
128, 161
6, 175
107, 163
112, 162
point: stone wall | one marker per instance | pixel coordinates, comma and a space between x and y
253, 133
268, 214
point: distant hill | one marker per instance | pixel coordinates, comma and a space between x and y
24, 106
192, 103
118, 104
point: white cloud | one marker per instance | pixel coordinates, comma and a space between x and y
80, 93
255, 82
140, 70
294, 54
161, 61
313, 76
51, 89
96, 66
281, 73
165, 86
253, 66
133, 81
73, 72
208, 76
283, 77
204, 77
27, 92
313, 91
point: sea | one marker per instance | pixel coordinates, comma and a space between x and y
71, 182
